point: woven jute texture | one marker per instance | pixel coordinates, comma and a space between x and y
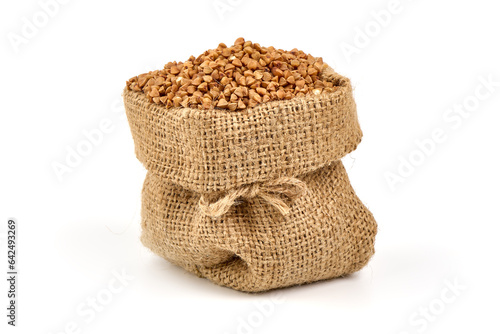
328, 233
257, 199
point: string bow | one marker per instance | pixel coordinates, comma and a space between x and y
270, 191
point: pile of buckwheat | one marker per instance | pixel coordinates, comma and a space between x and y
235, 77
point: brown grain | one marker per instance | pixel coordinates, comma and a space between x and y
234, 78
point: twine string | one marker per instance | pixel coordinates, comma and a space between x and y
270, 192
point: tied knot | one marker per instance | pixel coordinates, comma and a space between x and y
271, 192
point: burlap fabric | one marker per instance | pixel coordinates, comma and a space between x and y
256, 199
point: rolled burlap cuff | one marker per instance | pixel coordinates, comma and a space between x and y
217, 150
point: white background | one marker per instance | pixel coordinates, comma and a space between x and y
440, 226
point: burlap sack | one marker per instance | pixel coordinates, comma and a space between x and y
256, 199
